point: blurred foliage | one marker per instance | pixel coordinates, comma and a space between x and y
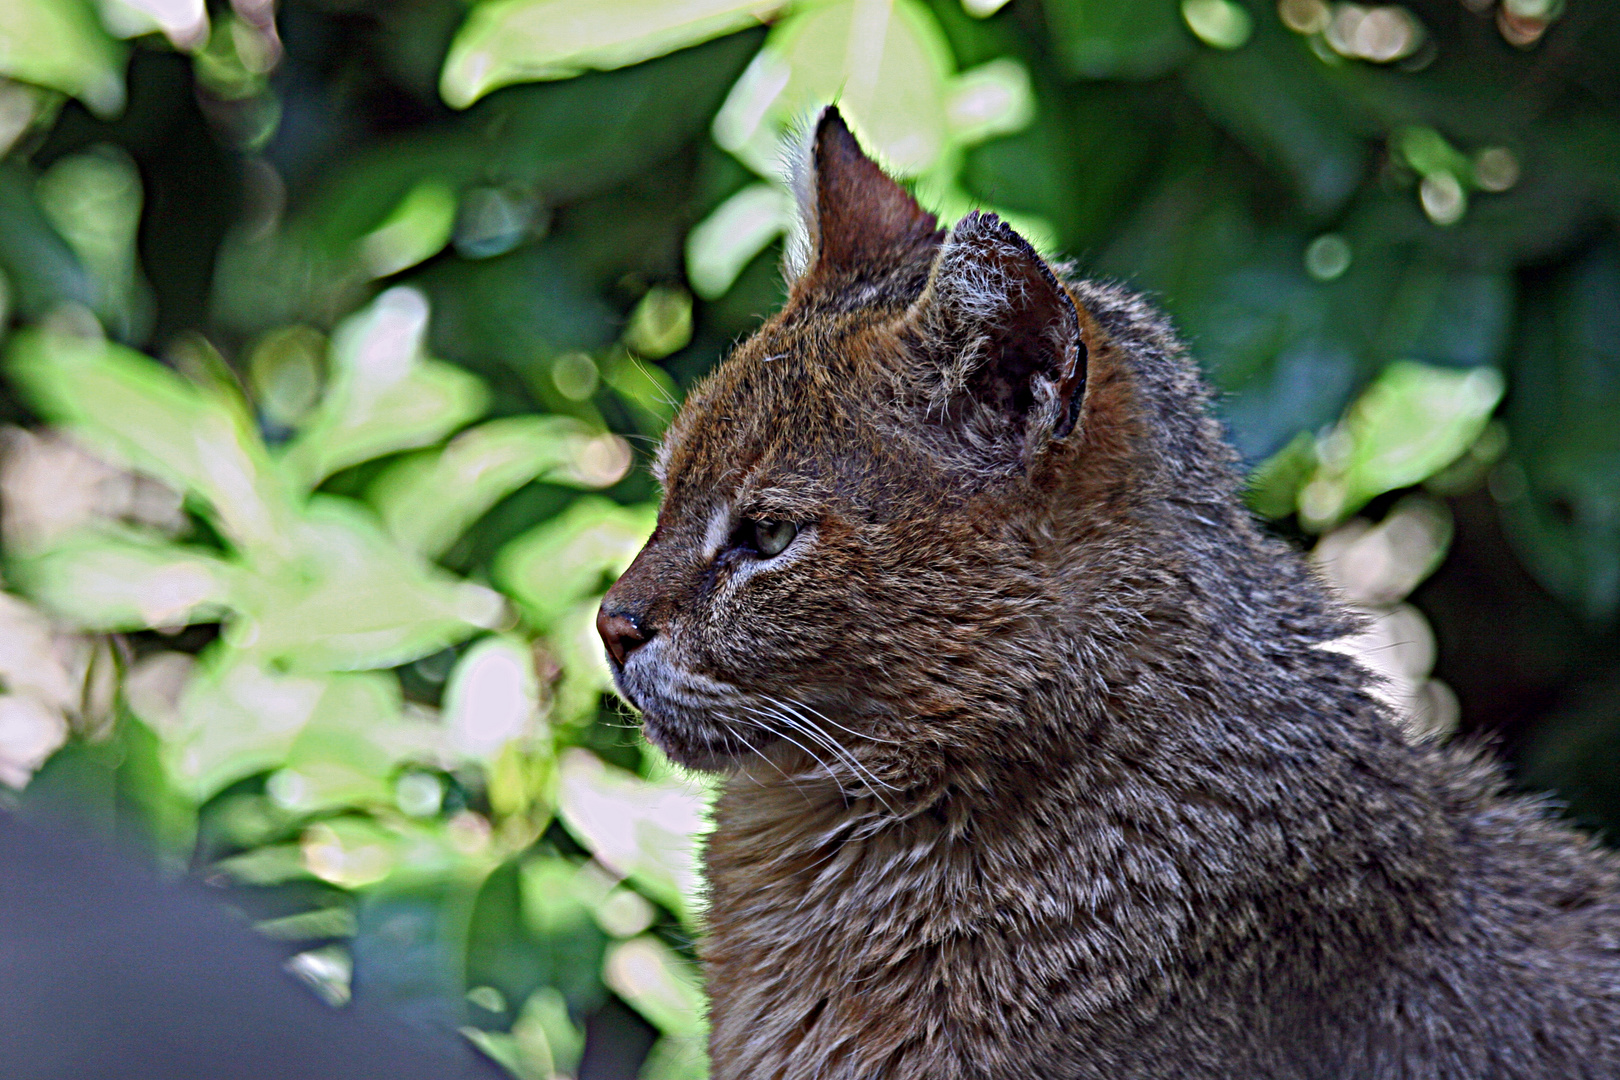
336, 328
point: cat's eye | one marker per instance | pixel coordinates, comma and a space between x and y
771, 537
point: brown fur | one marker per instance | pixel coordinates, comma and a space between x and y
1035, 765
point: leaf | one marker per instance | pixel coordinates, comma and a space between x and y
384, 395
887, 65
1105, 39
1408, 425
568, 558
509, 41
127, 582
492, 697
236, 719
132, 409
720, 245
641, 829
429, 499
660, 985
417, 229
1560, 487
42, 269
60, 44
349, 599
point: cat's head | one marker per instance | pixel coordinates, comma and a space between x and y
872, 506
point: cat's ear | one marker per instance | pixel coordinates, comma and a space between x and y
1003, 337
854, 220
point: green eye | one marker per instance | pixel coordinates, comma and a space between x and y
773, 537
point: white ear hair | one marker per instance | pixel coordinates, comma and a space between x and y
799, 170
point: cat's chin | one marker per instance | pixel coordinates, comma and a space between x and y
690, 744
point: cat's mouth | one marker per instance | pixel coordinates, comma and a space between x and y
690, 718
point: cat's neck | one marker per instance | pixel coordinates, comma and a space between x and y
1134, 852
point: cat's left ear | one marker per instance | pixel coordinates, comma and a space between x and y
1004, 337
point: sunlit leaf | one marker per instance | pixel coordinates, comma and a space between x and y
995, 98
508, 41
418, 229
1411, 423
723, 243
60, 44
132, 409
887, 65
492, 698
660, 985
644, 830
384, 394
236, 719
106, 582
349, 599
428, 499
570, 557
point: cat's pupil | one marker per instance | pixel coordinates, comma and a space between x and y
773, 537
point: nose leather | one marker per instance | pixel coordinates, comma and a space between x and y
621, 633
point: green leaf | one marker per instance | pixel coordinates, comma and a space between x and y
417, 229
236, 719
645, 830
113, 582
1105, 39
384, 395
349, 599
564, 560
492, 697
131, 409
1408, 425
428, 499
660, 985
43, 270
509, 41
1560, 486
60, 44
887, 65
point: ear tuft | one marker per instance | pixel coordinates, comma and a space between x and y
857, 221
1004, 330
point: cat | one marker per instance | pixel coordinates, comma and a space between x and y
1035, 764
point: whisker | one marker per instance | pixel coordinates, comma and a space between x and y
840, 753
833, 744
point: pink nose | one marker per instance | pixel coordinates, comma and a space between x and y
620, 633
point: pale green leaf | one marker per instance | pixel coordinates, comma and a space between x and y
645, 830
60, 44
236, 719
720, 245
492, 698
350, 599
113, 582
509, 41
384, 394
1412, 422
428, 499
995, 98
417, 229
887, 65
129, 408
568, 558
660, 985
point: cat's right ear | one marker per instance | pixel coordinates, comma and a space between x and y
854, 221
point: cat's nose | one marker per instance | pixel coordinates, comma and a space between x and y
621, 632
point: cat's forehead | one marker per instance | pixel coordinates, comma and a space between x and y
789, 402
